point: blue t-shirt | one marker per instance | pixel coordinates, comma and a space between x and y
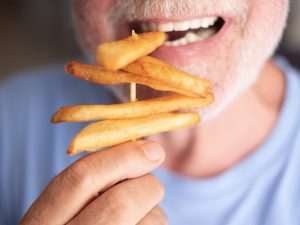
264, 188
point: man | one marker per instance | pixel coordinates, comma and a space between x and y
240, 166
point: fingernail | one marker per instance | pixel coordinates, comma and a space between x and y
153, 151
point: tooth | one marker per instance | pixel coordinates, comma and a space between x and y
205, 34
195, 24
209, 33
175, 43
145, 26
182, 41
212, 20
207, 22
191, 37
165, 27
153, 27
181, 26
201, 37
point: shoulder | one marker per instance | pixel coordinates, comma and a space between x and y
291, 72
48, 82
292, 83
291, 105
288, 126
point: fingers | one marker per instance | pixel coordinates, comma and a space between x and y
124, 204
80, 183
155, 217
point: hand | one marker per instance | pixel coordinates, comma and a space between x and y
107, 187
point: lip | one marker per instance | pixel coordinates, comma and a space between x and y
184, 54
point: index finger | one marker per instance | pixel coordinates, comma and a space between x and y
80, 183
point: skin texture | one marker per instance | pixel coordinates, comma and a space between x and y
243, 81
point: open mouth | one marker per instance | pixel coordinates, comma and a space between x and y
184, 32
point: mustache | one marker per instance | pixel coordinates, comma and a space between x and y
132, 10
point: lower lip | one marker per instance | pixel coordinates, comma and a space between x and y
185, 53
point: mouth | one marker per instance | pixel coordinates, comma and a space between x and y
181, 33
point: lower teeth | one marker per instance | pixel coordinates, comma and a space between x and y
192, 37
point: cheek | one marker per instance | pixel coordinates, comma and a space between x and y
99, 5
89, 17
103, 5
254, 43
266, 20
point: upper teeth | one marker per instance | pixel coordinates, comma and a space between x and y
180, 26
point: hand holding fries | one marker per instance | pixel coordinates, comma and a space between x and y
107, 187
125, 61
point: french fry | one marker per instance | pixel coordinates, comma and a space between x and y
115, 55
83, 113
153, 68
160, 87
100, 75
112, 132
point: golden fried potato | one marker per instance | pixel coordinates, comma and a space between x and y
113, 132
115, 55
161, 87
100, 75
83, 113
153, 68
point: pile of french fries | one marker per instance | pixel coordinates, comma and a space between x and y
127, 61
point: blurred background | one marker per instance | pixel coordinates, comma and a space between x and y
38, 32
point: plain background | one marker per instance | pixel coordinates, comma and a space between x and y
39, 32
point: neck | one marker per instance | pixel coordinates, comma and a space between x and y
218, 145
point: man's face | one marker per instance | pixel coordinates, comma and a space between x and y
241, 36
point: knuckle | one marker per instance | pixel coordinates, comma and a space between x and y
118, 204
78, 175
118, 197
